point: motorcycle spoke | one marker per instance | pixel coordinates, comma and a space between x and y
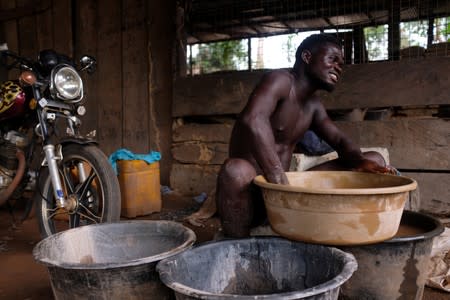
89, 214
87, 185
67, 180
74, 220
54, 212
83, 188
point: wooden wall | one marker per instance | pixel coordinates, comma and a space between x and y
129, 97
416, 135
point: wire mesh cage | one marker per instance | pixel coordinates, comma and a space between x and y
264, 34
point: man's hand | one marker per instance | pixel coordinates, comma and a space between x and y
367, 165
279, 178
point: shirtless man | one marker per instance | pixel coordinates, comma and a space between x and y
281, 108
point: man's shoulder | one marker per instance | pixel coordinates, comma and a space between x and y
279, 72
279, 75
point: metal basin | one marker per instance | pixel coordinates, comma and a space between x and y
405, 258
257, 268
112, 260
336, 207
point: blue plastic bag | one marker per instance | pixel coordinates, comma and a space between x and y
124, 154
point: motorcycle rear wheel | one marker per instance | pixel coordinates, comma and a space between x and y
97, 198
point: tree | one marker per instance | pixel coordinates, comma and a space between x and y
227, 55
413, 33
442, 29
289, 48
376, 39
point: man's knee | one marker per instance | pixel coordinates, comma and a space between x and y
234, 198
237, 172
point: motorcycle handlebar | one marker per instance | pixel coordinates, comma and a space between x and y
46, 61
18, 61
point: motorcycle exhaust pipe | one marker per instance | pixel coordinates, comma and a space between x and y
5, 194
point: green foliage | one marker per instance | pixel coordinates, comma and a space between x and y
413, 33
219, 56
447, 31
289, 48
376, 41
232, 55
443, 28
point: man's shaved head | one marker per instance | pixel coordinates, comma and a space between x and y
313, 42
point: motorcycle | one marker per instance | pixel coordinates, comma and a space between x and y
74, 184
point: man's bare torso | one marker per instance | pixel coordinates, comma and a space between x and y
289, 121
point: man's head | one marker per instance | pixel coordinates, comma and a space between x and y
322, 60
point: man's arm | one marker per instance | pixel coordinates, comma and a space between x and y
273, 87
349, 153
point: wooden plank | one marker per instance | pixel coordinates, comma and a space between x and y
412, 143
44, 27
9, 28
135, 70
27, 33
193, 179
203, 133
110, 74
434, 191
421, 81
12, 13
412, 82
200, 153
161, 36
62, 26
10, 35
86, 37
213, 94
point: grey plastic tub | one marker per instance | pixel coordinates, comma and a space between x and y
257, 268
112, 260
396, 268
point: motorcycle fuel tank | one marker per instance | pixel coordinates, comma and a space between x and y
12, 100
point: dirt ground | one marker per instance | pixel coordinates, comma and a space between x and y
21, 277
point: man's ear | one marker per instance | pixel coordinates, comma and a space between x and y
306, 56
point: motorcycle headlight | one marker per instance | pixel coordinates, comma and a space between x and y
66, 84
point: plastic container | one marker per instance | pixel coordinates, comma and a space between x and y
140, 187
336, 207
257, 268
396, 268
112, 260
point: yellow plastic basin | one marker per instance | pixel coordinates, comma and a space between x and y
336, 207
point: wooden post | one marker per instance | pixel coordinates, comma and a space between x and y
135, 69
161, 14
109, 70
394, 31
86, 39
348, 47
181, 40
430, 32
359, 44
249, 53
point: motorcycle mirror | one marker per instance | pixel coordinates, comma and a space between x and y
3, 50
88, 63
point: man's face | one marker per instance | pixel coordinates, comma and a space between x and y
325, 66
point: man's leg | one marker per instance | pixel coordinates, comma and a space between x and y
236, 197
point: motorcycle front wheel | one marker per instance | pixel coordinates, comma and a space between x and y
91, 185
